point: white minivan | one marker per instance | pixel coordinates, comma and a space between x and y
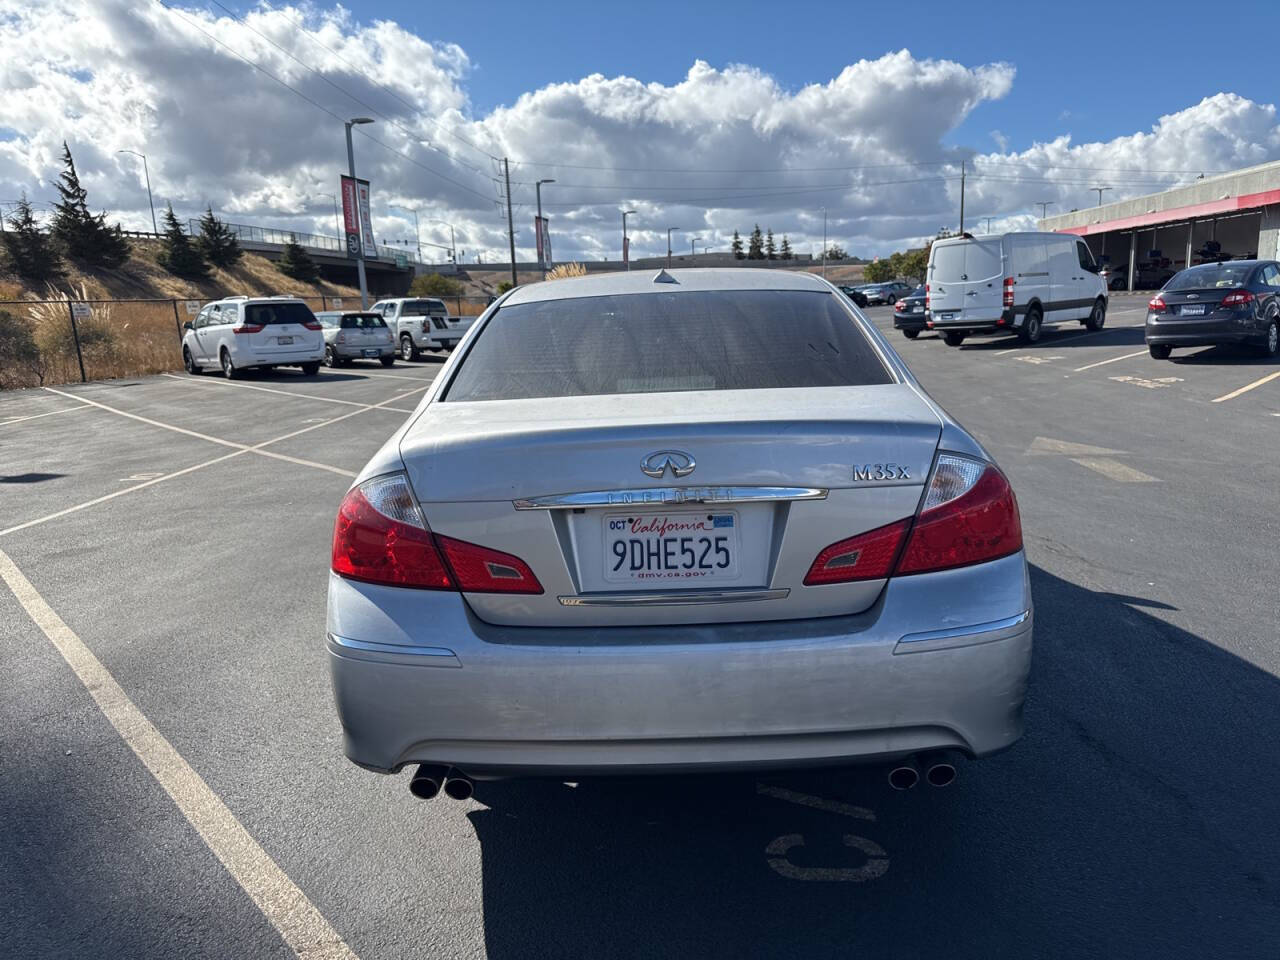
1012, 282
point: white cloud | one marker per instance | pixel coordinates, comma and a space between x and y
723, 148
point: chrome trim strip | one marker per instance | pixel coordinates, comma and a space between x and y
668, 496
963, 636
683, 598
406, 650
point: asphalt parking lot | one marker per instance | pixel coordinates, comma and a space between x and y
173, 784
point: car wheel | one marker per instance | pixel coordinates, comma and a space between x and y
911, 334
407, 350
1032, 327
387, 361
188, 363
1098, 316
1271, 342
228, 367
1159, 351
952, 338
311, 369
330, 358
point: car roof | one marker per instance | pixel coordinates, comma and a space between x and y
646, 281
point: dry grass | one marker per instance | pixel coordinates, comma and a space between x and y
565, 270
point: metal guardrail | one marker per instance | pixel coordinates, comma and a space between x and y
311, 241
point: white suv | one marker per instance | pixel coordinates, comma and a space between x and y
242, 332
420, 323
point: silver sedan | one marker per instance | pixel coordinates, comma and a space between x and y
703, 520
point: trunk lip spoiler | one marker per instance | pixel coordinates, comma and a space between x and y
668, 497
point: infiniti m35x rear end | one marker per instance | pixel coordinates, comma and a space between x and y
632, 529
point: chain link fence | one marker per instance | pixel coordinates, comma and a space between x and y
64, 341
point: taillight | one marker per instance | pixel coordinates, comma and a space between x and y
1008, 292
248, 328
1237, 298
969, 515
926, 296
313, 325
868, 556
482, 570
1156, 304
380, 536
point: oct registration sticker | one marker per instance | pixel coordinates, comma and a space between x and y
671, 548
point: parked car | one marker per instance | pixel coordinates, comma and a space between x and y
909, 313
1115, 276
887, 292
1233, 302
353, 335
855, 294
242, 333
419, 323
609, 558
1012, 282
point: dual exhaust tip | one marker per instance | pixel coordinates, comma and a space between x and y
938, 772
429, 779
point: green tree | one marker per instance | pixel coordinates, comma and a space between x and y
784, 252
178, 254
216, 241
435, 285
736, 246
82, 236
32, 255
836, 252
295, 262
504, 286
877, 271
18, 352
755, 246
770, 248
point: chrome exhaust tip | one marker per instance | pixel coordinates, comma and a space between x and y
941, 774
904, 776
459, 787
427, 780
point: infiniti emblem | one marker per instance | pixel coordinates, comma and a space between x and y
656, 464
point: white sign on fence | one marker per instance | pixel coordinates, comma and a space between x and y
193, 307
81, 311
335, 302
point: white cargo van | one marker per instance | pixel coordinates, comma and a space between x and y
1013, 282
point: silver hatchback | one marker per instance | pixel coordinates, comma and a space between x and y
632, 529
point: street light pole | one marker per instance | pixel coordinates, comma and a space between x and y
337, 220
453, 246
147, 174
351, 172
1099, 189
1044, 206
693, 246
824, 243
626, 254
542, 258
669, 231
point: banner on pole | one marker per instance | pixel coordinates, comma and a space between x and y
626, 250
542, 230
366, 220
350, 218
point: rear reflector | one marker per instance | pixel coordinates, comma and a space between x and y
868, 556
968, 516
482, 570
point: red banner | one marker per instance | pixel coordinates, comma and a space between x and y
351, 216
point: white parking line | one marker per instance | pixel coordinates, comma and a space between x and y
51, 413
818, 803
1247, 387
283, 393
1115, 470
396, 376
1054, 341
305, 930
1103, 363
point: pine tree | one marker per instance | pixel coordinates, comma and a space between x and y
770, 250
80, 234
737, 246
297, 263
755, 247
784, 252
30, 251
216, 241
178, 254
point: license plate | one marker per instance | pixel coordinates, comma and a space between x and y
371, 353
913, 309
284, 340
645, 549
946, 316
1191, 310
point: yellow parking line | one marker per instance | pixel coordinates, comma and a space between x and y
1247, 387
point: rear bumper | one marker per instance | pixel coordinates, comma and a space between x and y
286, 358
1003, 321
910, 321
1187, 333
356, 353
940, 661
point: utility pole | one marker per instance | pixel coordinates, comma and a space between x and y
1044, 206
693, 246
1099, 189
542, 253
146, 173
988, 219
626, 253
511, 224
824, 243
962, 198
351, 172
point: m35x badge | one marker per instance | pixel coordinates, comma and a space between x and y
873, 472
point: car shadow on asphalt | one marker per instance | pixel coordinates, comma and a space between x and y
1136, 818
1064, 336
1228, 355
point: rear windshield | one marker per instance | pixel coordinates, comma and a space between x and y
362, 321
651, 343
265, 314
420, 308
1211, 276
970, 260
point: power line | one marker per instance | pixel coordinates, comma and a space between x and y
321, 107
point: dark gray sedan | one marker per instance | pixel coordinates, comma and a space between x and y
1233, 302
